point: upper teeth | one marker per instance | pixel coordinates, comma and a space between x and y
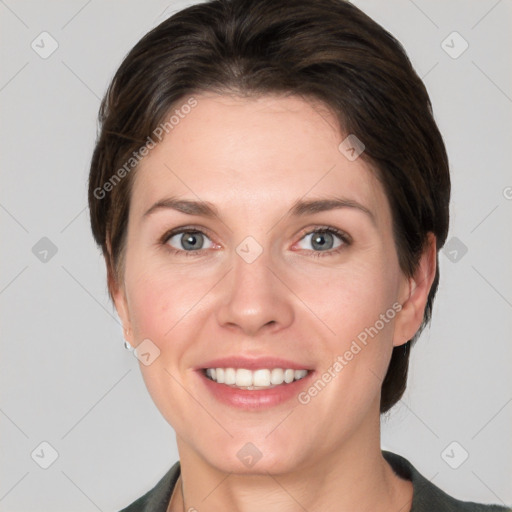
241, 377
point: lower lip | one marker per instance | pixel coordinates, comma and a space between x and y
255, 398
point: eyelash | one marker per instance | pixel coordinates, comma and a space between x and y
340, 234
347, 241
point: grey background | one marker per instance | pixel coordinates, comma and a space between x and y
65, 376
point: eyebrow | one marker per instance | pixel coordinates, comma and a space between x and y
299, 209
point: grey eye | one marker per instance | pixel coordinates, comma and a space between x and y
189, 241
322, 240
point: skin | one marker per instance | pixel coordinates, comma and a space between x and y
253, 158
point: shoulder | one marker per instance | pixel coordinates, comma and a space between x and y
157, 499
428, 497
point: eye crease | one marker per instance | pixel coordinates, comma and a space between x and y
325, 241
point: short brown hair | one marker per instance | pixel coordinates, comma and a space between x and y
325, 50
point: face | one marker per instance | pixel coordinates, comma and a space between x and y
262, 279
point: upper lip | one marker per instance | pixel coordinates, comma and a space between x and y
253, 363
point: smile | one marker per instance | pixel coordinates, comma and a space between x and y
243, 378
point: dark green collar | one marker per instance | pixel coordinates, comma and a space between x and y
427, 497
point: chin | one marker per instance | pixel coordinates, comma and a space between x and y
244, 457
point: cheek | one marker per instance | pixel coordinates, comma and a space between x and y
356, 304
165, 308
148, 308
160, 300
350, 298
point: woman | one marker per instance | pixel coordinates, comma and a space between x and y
271, 192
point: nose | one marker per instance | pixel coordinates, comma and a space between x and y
253, 299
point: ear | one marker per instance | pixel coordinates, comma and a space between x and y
118, 295
414, 293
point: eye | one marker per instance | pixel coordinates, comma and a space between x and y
188, 240
325, 240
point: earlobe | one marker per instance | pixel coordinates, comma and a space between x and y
414, 293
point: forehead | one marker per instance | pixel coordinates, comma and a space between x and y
254, 153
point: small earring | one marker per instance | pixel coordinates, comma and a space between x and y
127, 344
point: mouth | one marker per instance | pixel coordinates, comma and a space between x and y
254, 380
254, 383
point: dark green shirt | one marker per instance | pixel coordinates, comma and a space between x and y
426, 496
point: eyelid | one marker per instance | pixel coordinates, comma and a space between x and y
184, 229
345, 238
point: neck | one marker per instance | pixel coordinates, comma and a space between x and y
353, 476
